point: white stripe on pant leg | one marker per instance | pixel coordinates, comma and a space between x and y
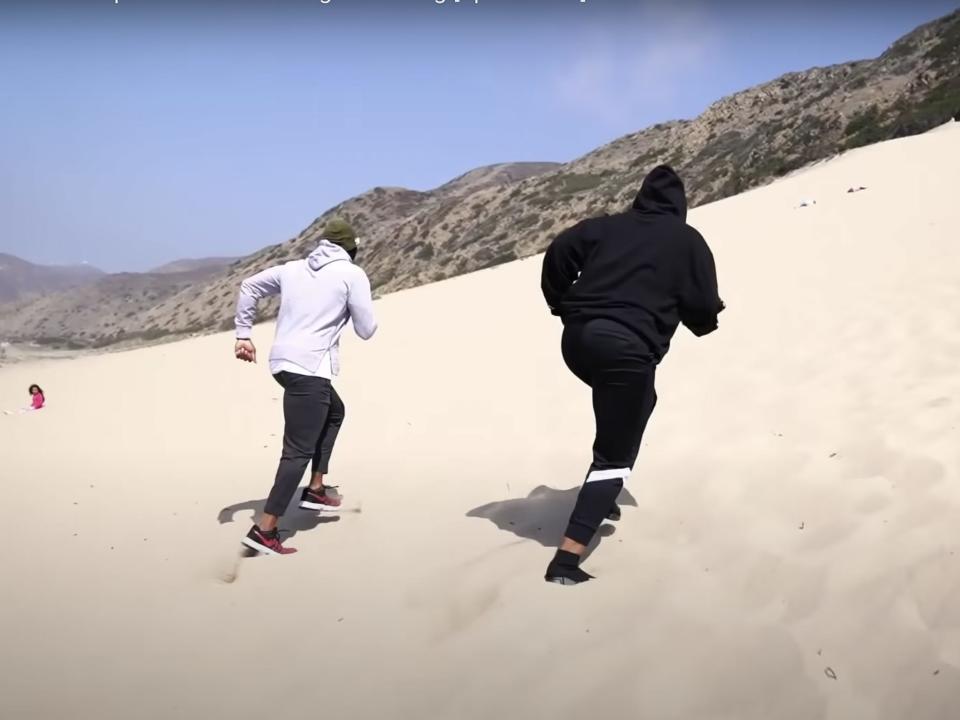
617, 474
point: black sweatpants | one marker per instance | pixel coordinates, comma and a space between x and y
312, 415
617, 364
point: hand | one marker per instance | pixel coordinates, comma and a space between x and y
245, 350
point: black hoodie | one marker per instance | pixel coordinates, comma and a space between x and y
645, 268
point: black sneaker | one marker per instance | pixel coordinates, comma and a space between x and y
614, 513
564, 570
265, 542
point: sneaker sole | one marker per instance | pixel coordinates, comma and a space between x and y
561, 581
254, 545
304, 505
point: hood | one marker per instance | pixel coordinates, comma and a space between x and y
325, 254
662, 193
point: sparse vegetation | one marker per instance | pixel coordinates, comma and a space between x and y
901, 48
947, 49
578, 183
858, 83
940, 104
426, 252
645, 160
154, 333
862, 126
500, 259
408, 237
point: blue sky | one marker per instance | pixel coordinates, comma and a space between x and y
137, 132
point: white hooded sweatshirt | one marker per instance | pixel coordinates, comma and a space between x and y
318, 296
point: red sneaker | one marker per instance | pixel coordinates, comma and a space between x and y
265, 542
320, 499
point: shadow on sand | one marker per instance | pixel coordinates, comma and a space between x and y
542, 515
291, 523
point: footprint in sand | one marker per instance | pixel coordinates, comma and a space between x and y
459, 597
873, 503
773, 580
935, 590
873, 456
228, 568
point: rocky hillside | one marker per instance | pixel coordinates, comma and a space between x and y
20, 279
125, 308
498, 214
191, 264
99, 313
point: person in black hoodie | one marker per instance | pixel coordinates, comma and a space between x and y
621, 285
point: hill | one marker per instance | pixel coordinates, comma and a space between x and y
98, 313
788, 548
192, 264
20, 279
498, 214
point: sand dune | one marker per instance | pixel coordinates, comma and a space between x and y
791, 551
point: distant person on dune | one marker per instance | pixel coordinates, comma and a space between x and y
318, 295
622, 284
37, 400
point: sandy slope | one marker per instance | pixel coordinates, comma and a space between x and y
796, 500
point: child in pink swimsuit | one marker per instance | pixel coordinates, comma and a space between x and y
37, 400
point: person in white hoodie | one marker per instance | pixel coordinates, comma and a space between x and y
318, 295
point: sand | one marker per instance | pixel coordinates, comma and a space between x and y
790, 549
